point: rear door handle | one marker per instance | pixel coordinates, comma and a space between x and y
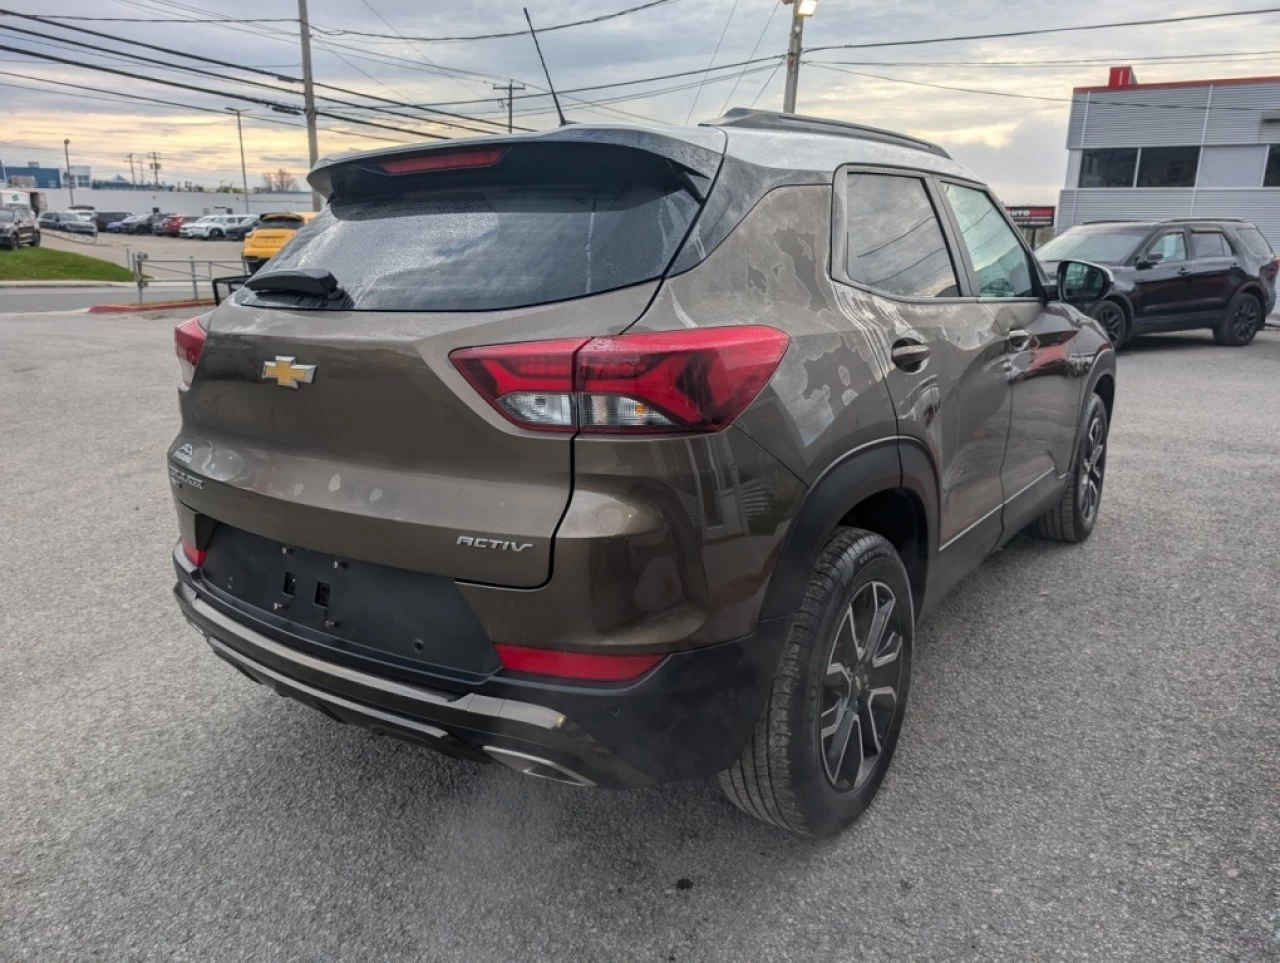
1019, 339
1183, 272
910, 356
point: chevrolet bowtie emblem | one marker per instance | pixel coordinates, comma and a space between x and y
287, 374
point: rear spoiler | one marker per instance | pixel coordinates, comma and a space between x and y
695, 152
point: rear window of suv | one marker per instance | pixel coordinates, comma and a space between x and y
508, 238
1252, 239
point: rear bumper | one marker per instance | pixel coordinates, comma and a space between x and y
687, 718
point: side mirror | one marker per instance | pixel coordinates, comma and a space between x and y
1083, 284
1149, 260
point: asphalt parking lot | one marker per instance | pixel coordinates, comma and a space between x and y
116, 247
1090, 767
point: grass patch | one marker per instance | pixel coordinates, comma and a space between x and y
46, 264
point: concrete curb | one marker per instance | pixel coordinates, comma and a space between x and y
153, 306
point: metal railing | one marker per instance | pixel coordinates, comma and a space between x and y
147, 270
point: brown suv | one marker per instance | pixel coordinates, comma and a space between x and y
619, 455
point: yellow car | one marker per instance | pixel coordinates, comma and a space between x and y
271, 234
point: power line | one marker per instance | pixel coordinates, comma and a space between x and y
1223, 57
392, 28
724, 30
223, 63
49, 16
339, 32
169, 103
1045, 30
760, 92
1093, 101
274, 105
773, 8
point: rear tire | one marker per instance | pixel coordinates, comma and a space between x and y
1073, 518
1240, 325
824, 741
1114, 320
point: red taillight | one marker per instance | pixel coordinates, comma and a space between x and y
668, 381
584, 666
188, 339
451, 161
194, 555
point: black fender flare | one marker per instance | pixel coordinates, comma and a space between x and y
890, 463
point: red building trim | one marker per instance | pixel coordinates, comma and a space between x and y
1171, 85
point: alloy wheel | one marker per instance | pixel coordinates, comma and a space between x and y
859, 697
1245, 319
1111, 317
1092, 468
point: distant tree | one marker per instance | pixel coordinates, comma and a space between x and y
281, 180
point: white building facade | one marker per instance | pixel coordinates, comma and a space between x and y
1208, 148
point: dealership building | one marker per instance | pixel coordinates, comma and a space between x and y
1203, 148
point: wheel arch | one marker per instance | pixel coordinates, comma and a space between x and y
889, 487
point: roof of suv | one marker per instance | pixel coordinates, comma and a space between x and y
765, 138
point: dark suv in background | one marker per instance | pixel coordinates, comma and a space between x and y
1175, 275
618, 455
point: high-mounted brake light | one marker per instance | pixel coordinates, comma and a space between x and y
584, 666
658, 382
450, 161
188, 339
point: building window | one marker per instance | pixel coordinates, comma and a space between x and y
1272, 176
1112, 167
1168, 166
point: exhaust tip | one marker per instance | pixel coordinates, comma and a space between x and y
536, 766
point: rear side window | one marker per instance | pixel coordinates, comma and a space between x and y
519, 235
1000, 262
895, 241
1209, 244
1253, 240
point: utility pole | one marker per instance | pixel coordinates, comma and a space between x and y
309, 94
510, 87
132, 180
155, 167
244, 173
71, 180
801, 10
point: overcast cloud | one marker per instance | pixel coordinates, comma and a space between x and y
1015, 143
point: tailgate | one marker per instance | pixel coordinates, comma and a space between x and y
387, 455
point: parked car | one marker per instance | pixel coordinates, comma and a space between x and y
749, 383
200, 226
170, 226
18, 227
104, 219
239, 231
68, 222
269, 235
1177, 275
143, 223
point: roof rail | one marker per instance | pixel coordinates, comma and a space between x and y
1120, 220
799, 123
1189, 220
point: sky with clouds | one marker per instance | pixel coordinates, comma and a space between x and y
1009, 125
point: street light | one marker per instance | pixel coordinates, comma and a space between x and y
800, 10
244, 174
71, 178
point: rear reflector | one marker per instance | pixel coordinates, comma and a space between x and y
194, 555
656, 382
451, 161
188, 339
584, 666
